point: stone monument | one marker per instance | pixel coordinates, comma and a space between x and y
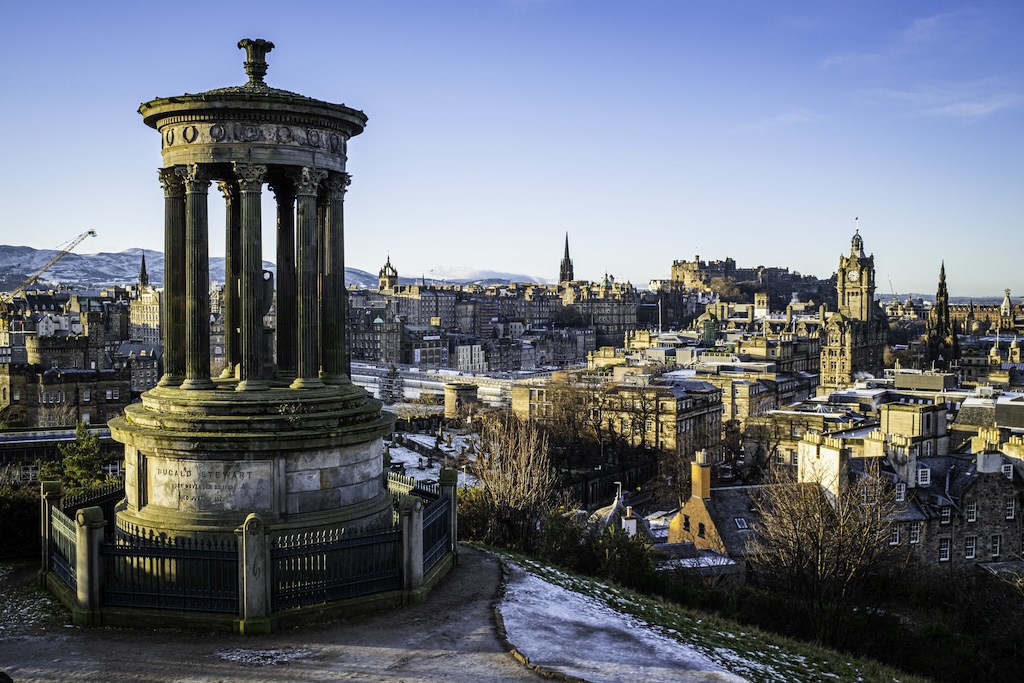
286, 436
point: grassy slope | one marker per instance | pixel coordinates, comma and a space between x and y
753, 654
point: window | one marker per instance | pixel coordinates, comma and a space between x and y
915, 532
794, 459
894, 536
901, 492
117, 394
997, 544
945, 514
970, 547
700, 529
16, 395
972, 511
924, 475
110, 394
1008, 471
686, 522
1011, 508
944, 550
741, 523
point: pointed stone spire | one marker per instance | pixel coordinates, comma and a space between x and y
143, 275
565, 273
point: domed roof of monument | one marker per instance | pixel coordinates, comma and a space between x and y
254, 94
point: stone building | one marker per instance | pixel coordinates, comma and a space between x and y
854, 338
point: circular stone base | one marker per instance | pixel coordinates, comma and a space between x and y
199, 461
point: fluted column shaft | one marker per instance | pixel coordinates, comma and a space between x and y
250, 186
173, 331
197, 278
332, 301
308, 370
232, 267
287, 320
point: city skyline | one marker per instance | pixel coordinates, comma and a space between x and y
650, 132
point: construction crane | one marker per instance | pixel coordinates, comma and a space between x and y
64, 251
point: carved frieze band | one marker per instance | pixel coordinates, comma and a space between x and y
173, 186
266, 133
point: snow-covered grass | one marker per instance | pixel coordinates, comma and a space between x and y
745, 652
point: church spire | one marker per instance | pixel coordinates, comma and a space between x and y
565, 273
143, 275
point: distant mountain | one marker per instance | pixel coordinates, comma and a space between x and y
93, 271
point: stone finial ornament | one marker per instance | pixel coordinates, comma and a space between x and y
256, 58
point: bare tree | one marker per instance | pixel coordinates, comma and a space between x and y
517, 482
826, 550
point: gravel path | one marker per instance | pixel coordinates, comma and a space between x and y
451, 637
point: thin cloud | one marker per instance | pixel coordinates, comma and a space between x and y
965, 101
793, 117
920, 37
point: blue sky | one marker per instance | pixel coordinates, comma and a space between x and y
648, 130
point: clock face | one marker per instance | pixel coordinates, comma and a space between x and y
853, 275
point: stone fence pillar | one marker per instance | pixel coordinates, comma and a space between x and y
88, 566
254, 578
51, 493
450, 487
411, 515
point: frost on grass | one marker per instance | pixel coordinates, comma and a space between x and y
580, 635
262, 656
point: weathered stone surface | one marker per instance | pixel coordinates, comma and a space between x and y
204, 485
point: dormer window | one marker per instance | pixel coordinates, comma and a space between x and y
741, 524
1007, 470
924, 475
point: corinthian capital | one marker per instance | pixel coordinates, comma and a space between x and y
171, 182
250, 176
196, 177
307, 180
336, 185
229, 189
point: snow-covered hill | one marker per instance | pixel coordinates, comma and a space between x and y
89, 271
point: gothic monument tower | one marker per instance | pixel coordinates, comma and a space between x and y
943, 347
285, 435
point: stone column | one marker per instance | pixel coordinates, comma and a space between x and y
255, 576
88, 566
332, 301
173, 332
232, 268
250, 185
411, 519
197, 278
287, 320
308, 370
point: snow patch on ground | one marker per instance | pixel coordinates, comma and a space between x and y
262, 657
574, 634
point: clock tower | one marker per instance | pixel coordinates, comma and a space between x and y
852, 340
856, 282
